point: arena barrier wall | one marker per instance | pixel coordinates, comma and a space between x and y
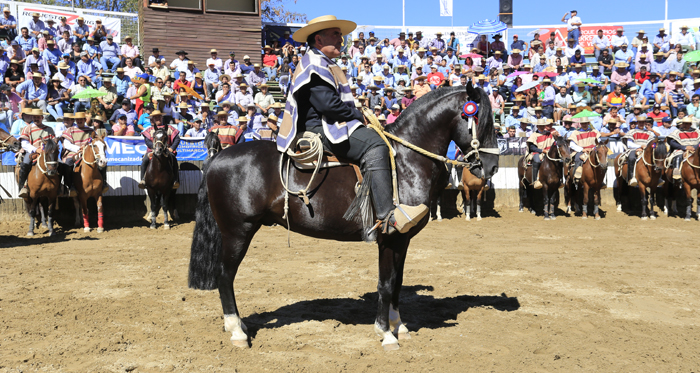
125, 201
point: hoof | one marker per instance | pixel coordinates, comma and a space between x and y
597, 218
533, 212
686, 219
619, 208
468, 218
166, 227
546, 218
644, 218
553, 218
86, 229
52, 233
100, 230
520, 210
43, 225
153, 226
478, 218
584, 217
391, 347
653, 217
404, 336
241, 344
31, 234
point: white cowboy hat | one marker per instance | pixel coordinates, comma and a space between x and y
322, 23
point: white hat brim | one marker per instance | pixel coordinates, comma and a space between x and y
322, 23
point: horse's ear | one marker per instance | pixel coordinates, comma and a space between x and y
473, 93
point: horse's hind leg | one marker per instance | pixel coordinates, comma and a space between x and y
31, 211
234, 245
521, 194
85, 212
100, 215
586, 195
76, 204
643, 192
596, 204
154, 207
40, 209
479, 200
400, 330
652, 203
545, 202
49, 212
467, 204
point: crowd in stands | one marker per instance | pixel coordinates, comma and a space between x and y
45, 65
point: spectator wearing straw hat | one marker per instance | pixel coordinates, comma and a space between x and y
81, 31
625, 55
256, 77
662, 41
8, 24
659, 66
618, 39
683, 38
36, 25
129, 50
33, 92
263, 100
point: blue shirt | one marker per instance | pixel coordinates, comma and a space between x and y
621, 56
30, 92
597, 122
84, 30
110, 51
17, 127
122, 84
92, 49
53, 56
648, 88
9, 21
659, 67
130, 116
144, 121
89, 68
26, 44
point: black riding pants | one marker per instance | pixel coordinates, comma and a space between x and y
359, 142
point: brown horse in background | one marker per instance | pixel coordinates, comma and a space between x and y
88, 182
648, 171
592, 179
44, 182
159, 179
9, 143
473, 193
690, 174
551, 174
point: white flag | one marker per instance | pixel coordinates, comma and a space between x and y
445, 8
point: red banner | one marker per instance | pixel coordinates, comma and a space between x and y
586, 38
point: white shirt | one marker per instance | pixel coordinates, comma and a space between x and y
617, 41
572, 20
218, 62
686, 39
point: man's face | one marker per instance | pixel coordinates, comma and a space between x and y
130, 63
37, 119
605, 52
600, 34
107, 84
197, 124
511, 132
37, 80
25, 32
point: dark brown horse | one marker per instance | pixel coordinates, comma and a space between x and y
8, 143
648, 170
690, 174
88, 182
44, 183
242, 191
551, 174
592, 179
159, 178
473, 194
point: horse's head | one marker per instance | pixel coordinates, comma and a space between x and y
481, 150
98, 146
9, 142
659, 153
563, 150
160, 141
50, 151
601, 155
213, 144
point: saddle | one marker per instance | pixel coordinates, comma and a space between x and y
329, 160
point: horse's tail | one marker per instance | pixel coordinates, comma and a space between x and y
205, 254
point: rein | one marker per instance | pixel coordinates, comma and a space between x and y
560, 159
82, 154
597, 158
38, 163
653, 158
687, 160
3, 143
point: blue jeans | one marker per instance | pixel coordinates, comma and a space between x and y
574, 34
270, 72
6, 117
675, 110
56, 110
106, 61
80, 106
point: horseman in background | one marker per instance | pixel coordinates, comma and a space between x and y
582, 142
75, 139
321, 102
172, 141
640, 137
683, 140
31, 138
539, 143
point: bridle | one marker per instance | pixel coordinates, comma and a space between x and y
96, 154
4, 146
653, 157
469, 112
597, 158
42, 157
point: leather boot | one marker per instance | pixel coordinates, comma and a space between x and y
176, 172
632, 181
144, 165
677, 168
536, 175
375, 164
24, 170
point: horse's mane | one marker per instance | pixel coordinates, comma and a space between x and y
212, 140
50, 147
417, 110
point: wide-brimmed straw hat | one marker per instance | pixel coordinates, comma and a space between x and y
322, 23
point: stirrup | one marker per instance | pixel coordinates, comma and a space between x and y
633, 182
72, 192
676, 174
24, 192
142, 184
105, 188
578, 173
402, 219
537, 184
176, 185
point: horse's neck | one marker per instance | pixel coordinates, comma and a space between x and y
159, 162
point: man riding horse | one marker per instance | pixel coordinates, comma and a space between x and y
539, 143
172, 141
32, 137
640, 137
682, 140
75, 138
321, 102
582, 141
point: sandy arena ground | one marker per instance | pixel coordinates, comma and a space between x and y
509, 293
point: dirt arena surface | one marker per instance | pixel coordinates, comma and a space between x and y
504, 294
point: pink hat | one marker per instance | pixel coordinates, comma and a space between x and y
515, 35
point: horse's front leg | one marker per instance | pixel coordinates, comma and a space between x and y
30, 205
596, 204
545, 202
584, 208
467, 203
652, 202
49, 213
86, 213
479, 199
390, 255
165, 198
399, 328
643, 193
76, 204
154, 207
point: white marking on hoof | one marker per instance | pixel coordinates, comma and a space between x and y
30, 234
568, 209
166, 227
644, 218
653, 217
597, 218
532, 211
100, 230
619, 208
665, 211
395, 323
687, 219
233, 324
153, 227
546, 218
520, 210
478, 218
389, 342
86, 229
584, 217
468, 218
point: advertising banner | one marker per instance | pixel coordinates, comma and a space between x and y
587, 34
113, 25
128, 150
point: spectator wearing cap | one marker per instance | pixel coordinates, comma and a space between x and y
36, 26
8, 24
659, 66
287, 39
518, 44
127, 111
618, 39
89, 68
121, 128
573, 25
111, 54
247, 67
93, 51
662, 41
26, 41
33, 92
657, 112
232, 66
600, 42
438, 43
81, 31
665, 128
179, 65
577, 58
160, 70
197, 129
65, 44
129, 50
